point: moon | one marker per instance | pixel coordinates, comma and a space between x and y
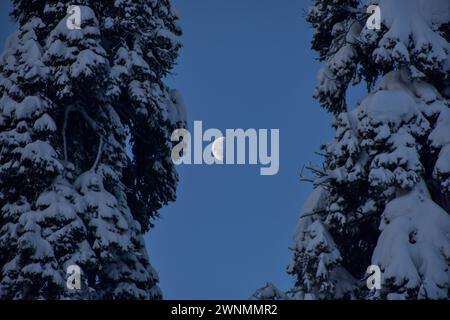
217, 148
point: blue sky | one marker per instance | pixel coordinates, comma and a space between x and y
245, 64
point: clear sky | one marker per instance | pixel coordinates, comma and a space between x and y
245, 64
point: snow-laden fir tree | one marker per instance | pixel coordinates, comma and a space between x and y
382, 195
85, 124
269, 292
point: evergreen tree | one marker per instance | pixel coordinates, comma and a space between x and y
85, 124
384, 185
269, 292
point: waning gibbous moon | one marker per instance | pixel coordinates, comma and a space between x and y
217, 148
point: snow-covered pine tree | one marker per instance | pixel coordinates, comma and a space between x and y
336, 28
382, 196
72, 190
269, 292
